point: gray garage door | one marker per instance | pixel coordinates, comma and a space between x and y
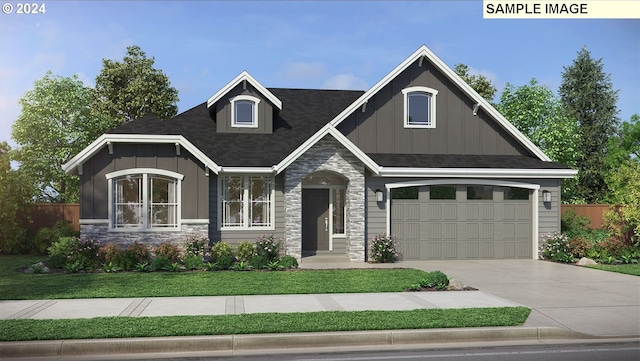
462, 222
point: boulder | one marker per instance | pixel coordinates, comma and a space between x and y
584, 261
39, 267
455, 285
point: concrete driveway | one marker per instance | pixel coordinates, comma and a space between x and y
580, 299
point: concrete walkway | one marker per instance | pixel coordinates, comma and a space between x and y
198, 306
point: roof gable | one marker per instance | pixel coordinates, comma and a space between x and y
419, 56
244, 77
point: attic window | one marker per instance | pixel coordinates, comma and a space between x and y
244, 111
419, 107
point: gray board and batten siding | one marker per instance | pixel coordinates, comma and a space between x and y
380, 128
223, 111
94, 185
425, 247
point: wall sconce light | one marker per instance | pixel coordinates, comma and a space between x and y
379, 195
546, 196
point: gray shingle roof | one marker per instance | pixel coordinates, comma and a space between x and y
304, 112
462, 161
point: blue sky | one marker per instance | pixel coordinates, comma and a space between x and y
202, 45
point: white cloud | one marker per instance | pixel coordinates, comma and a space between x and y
345, 82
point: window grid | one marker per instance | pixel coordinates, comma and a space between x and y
145, 201
247, 202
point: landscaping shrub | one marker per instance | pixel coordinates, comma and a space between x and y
88, 253
555, 247
245, 251
161, 263
435, 279
111, 253
137, 253
223, 262
572, 224
288, 262
193, 262
221, 249
197, 246
259, 262
61, 250
269, 247
168, 250
579, 246
383, 249
45, 237
617, 223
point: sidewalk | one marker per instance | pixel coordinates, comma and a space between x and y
198, 306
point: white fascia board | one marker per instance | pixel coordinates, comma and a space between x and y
247, 170
476, 172
244, 76
327, 129
94, 147
424, 51
498, 183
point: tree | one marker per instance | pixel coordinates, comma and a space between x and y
56, 123
478, 82
587, 95
623, 152
538, 114
130, 89
16, 192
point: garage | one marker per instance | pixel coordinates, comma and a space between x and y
463, 221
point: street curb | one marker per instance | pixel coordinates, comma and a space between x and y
240, 343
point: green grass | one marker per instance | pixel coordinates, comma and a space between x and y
630, 269
20, 286
116, 327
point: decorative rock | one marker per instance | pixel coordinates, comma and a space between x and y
584, 261
455, 285
39, 267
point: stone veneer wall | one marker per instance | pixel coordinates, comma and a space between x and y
328, 155
100, 231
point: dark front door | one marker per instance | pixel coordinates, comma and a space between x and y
315, 220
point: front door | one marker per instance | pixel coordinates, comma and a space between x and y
315, 220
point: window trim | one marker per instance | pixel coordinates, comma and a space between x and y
144, 172
246, 203
432, 106
255, 102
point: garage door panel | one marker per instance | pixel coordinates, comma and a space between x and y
463, 229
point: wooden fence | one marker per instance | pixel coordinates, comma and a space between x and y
47, 214
595, 212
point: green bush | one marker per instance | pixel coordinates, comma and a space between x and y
83, 253
221, 249
223, 262
169, 251
383, 249
45, 237
435, 279
193, 262
161, 263
268, 247
259, 262
573, 224
245, 251
288, 262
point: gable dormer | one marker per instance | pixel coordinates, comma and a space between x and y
244, 106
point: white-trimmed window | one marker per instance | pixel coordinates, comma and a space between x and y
419, 107
244, 111
247, 201
144, 199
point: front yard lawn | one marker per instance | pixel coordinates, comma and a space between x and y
116, 327
630, 269
21, 286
